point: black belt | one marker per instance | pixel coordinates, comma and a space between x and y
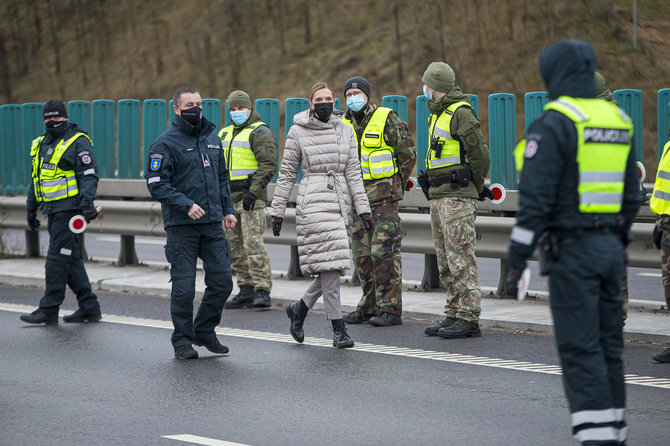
240, 185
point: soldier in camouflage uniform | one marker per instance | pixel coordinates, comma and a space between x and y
457, 163
387, 157
250, 148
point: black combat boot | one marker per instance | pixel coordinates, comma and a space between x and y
340, 337
357, 317
297, 312
38, 317
262, 299
460, 329
664, 356
243, 299
432, 330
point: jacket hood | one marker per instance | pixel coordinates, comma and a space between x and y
307, 119
454, 95
567, 68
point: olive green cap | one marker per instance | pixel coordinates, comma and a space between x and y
238, 98
602, 92
440, 77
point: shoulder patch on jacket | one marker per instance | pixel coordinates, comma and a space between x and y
85, 157
532, 143
156, 161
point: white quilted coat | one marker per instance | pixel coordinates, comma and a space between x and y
328, 156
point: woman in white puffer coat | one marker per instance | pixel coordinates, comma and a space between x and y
326, 151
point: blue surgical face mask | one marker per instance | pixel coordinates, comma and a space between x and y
428, 94
239, 117
356, 102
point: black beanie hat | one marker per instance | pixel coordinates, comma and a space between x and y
54, 108
358, 82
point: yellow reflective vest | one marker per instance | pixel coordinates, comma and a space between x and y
378, 159
443, 150
50, 182
604, 135
660, 198
240, 159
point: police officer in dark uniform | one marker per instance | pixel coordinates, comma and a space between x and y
64, 183
578, 198
186, 172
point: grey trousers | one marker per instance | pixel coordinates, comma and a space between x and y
326, 284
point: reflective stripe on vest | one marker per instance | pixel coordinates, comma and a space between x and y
50, 182
660, 198
378, 160
240, 159
604, 135
440, 128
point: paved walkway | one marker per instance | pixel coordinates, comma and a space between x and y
645, 322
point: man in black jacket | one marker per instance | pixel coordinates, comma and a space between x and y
64, 183
186, 172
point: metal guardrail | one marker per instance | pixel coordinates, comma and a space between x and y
130, 218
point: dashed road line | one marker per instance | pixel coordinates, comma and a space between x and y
509, 364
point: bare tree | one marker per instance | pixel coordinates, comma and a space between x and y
277, 17
440, 24
5, 74
234, 26
308, 34
398, 41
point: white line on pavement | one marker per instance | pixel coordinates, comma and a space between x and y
415, 353
650, 274
138, 240
188, 438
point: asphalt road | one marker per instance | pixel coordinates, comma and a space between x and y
117, 383
644, 283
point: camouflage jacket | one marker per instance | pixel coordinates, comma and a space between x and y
398, 136
264, 145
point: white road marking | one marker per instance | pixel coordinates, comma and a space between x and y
510, 364
138, 240
188, 438
649, 275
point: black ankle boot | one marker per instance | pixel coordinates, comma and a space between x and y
243, 299
340, 337
297, 312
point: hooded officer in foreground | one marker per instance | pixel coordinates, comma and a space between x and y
579, 195
64, 183
187, 173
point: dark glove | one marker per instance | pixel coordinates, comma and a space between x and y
368, 224
643, 192
249, 201
658, 234
486, 193
422, 179
33, 222
89, 213
512, 281
276, 225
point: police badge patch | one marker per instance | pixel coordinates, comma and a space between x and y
531, 149
156, 161
85, 157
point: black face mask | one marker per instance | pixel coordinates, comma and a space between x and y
56, 128
323, 110
193, 116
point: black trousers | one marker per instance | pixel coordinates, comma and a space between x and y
185, 243
586, 304
64, 267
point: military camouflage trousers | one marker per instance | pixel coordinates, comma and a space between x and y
665, 266
377, 259
452, 221
248, 255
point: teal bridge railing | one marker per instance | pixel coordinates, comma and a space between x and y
123, 131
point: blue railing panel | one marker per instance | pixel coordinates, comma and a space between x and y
631, 102
104, 137
130, 139
663, 110
502, 139
13, 155
398, 104
533, 105
79, 112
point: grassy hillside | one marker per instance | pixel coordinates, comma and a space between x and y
79, 49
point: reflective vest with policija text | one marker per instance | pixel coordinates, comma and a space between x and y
50, 182
604, 134
378, 160
660, 198
443, 150
237, 152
